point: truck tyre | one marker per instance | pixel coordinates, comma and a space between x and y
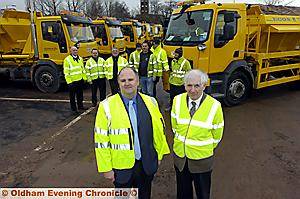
47, 79
237, 89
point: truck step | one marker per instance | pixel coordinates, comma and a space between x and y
216, 82
218, 95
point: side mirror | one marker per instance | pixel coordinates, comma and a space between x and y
228, 32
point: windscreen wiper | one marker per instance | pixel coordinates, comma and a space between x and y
183, 9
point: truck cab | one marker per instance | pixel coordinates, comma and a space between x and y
107, 32
240, 46
39, 57
133, 33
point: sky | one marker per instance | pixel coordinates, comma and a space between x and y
135, 3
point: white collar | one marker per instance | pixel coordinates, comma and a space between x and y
197, 102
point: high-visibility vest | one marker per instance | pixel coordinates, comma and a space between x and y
73, 70
95, 70
151, 63
179, 68
162, 61
114, 146
196, 137
109, 66
134, 59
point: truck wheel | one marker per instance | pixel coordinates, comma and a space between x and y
47, 79
237, 89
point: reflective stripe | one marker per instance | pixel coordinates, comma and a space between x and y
75, 73
100, 131
97, 73
207, 124
212, 112
195, 142
217, 126
103, 145
182, 64
118, 131
110, 73
179, 72
75, 67
120, 146
179, 76
173, 115
106, 110
157, 70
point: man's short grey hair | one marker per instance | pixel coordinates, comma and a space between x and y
194, 74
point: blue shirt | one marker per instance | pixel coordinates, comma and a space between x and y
126, 102
137, 148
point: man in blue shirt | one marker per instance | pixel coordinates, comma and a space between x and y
147, 139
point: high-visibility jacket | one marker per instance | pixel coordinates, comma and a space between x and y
162, 61
151, 63
109, 66
73, 70
196, 137
95, 70
134, 59
179, 68
114, 146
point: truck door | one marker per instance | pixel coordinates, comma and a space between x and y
101, 37
53, 45
222, 51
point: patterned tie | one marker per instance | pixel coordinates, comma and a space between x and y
133, 119
193, 109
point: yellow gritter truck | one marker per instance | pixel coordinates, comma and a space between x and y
39, 57
107, 32
240, 46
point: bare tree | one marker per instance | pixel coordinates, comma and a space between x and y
120, 10
278, 2
76, 5
94, 9
47, 7
155, 6
135, 12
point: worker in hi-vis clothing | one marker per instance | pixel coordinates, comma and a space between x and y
95, 72
129, 136
113, 66
75, 76
161, 62
197, 124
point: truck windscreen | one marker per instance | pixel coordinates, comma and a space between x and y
138, 31
191, 28
115, 32
80, 32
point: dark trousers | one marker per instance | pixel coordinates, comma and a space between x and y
76, 91
114, 86
140, 180
202, 183
100, 84
175, 90
154, 86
